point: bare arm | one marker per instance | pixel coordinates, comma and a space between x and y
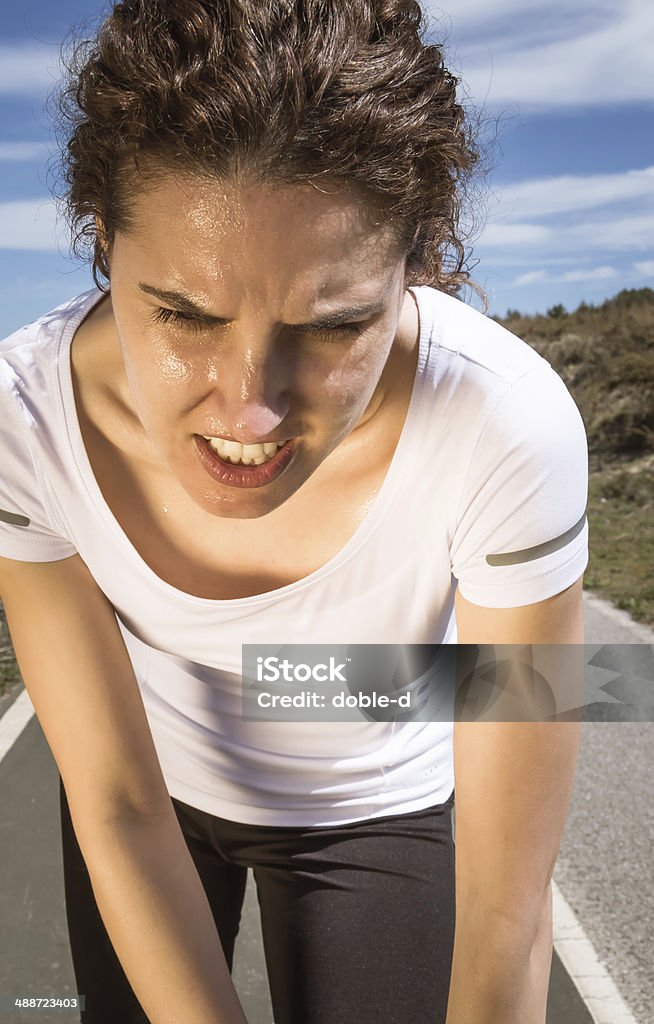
79, 677
513, 782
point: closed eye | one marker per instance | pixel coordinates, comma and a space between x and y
329, 333
163, 315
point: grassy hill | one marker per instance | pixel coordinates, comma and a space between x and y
605, 355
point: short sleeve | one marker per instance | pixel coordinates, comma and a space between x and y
521, 533
27, 529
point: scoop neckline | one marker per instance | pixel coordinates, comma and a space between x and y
366, 527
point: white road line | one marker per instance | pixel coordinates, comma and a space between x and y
588, 973
14, 721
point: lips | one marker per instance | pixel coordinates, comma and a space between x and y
233, 475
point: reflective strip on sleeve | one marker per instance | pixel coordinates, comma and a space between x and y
527, 554
13, 518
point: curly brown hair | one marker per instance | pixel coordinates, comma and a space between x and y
275, 92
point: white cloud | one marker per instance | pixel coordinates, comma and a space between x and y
645, 267
597, 274
571, 218
31, 224
544, 55
568, 193
18, 151
31, 69
612, 234
531, 277
544, 261
514, 235
571, 277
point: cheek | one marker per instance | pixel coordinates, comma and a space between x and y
167, 370
174, 371
354, 377
151, 361
168, 363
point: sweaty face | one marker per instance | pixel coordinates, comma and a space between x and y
256, 317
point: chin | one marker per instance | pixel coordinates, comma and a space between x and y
225, 502
241, 510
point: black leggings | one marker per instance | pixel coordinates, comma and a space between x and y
357, 920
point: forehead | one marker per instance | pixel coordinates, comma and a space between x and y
221, 228
210, 203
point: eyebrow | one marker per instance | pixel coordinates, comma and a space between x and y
186, 305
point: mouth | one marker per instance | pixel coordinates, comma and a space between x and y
237, 465
238, 454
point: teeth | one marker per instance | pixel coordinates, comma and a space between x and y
232, 448
245, 454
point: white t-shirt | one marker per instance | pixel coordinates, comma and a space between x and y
492, 461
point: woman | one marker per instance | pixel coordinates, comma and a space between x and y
273, 422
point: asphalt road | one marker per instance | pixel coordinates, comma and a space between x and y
604, 870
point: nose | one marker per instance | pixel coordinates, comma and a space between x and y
253, 399
257, 420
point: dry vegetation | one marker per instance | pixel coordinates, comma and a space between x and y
605, 355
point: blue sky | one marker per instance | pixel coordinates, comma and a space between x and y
568, 209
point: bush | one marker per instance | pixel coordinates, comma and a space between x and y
557, 311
